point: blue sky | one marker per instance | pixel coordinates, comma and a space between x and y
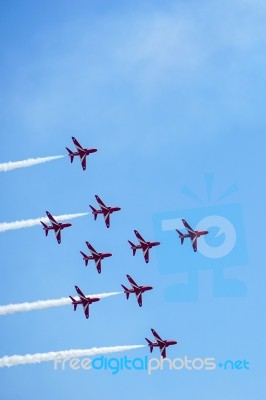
167, 93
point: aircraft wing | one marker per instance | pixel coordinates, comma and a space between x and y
81, 294
77, 144
83, 161
86, 309
140, 238
107, 219
99, 265
92, 249
100, 202
133, 283
163, 352
195, 243
146, 253
187, 226
139, 298
58, 235
155, 334
51, 218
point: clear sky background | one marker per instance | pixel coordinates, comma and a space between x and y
167, 92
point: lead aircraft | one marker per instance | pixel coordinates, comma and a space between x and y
81, 152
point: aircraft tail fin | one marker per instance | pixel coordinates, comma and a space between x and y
85, 258
94, 212
126, 291
150, 344
45, 227
181, 236
71, 154
74, 303
133, 247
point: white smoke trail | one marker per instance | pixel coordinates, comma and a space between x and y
28, 223
42, 304
11, 361
8, 166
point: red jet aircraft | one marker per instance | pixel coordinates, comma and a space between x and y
193, 235
81, 152
162, 344
56, 226
138, 290
85, 301
106, 211
97, 257
144, 246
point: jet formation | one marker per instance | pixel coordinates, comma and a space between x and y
97, 257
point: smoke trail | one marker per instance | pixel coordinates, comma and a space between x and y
28, 223
12, 361
8, 166
42, 304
